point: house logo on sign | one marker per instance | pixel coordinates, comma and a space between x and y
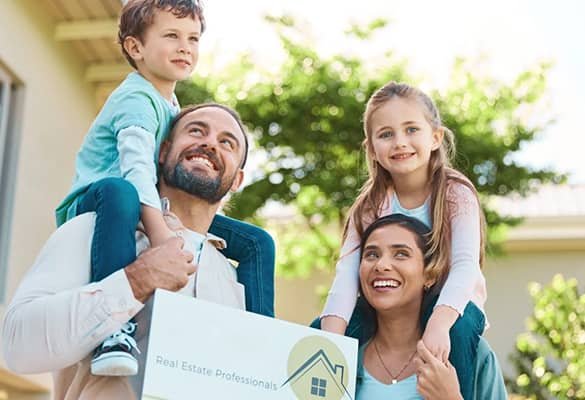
317, 370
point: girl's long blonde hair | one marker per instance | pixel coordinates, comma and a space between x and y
441, 173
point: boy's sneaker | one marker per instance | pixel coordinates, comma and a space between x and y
114, 357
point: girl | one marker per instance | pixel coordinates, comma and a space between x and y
408, 153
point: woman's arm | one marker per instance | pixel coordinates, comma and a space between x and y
489, 381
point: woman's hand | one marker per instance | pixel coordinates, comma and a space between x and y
435, 379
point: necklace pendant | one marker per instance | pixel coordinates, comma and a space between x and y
394, 381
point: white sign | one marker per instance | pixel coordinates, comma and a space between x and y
194, 349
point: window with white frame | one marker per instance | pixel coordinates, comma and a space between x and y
9, 142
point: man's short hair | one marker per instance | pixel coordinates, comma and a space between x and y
189, 109
138, 15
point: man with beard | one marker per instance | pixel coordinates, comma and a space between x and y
56, 318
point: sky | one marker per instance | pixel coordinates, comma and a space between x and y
508, 36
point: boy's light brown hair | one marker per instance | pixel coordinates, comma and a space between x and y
138, 15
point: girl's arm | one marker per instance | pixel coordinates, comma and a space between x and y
343, 293
464, 272
136, 147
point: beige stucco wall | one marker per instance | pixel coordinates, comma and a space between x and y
57, 110
297, 300
508, 305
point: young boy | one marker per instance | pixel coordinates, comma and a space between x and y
116, 171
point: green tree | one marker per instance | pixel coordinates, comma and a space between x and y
550, 357
307, 117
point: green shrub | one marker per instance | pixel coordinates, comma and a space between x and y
550, 357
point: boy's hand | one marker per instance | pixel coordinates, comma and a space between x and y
156, 227
436, 335
173, 222
161, 236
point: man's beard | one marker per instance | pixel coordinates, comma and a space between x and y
208, 189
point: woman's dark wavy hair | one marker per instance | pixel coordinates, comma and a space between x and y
423, 240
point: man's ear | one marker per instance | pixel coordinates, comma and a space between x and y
237, 181
438, 135
133, 47
164, 150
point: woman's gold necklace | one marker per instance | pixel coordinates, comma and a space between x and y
394, 377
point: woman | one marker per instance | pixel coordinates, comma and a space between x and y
396, 288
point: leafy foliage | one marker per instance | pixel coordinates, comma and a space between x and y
550, 358
307, 118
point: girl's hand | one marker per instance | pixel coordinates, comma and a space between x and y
437, 341
435, 379
436, 334
333, 324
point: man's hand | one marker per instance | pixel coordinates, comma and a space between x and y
164, 267
435, 379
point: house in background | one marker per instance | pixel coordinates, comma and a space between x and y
58, 61
550, 240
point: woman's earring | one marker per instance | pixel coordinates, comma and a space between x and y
426, 287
